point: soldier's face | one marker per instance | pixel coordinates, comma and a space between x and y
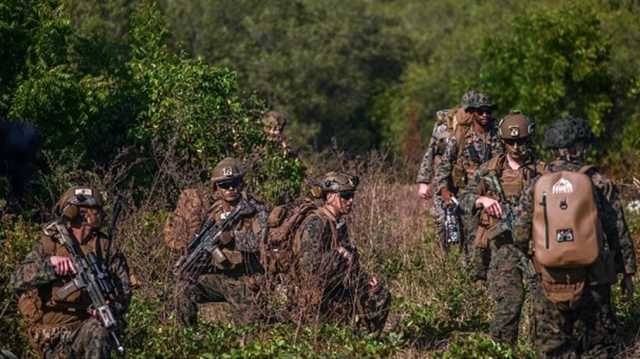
518, 149
230, 189
341, 201
482, 116
273, 132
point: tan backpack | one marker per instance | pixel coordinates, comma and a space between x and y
567, 234
186, 219
566, 228
282, 241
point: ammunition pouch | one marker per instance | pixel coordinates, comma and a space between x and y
563, 287
30, 305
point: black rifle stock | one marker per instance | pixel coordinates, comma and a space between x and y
92, 278
206, 242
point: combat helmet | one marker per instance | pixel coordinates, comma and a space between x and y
75, 197
339, 182
515, 126
227, 169
472, 99
566, 132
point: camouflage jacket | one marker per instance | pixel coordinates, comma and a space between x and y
512, 183
322, 238
465, 151
242, 243
437, 145
37, 284
609, 211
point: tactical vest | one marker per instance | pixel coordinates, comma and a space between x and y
45, 307
463, 169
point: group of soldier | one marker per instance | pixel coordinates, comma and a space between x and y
490, 177
302, 250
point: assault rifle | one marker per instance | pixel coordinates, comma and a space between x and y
206, 242
93, 277
452, 231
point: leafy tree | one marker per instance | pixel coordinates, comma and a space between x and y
552, 63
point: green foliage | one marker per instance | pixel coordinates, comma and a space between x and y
477, 346
17, 236
551, 63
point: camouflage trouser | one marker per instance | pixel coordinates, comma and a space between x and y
507, 291
475, 258
239, 291
436, 210
89, 340
554, 330
371, 309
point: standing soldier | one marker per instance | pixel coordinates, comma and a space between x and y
572, 216
468, 148
63, 320
447, 121
231, 273
493, 192
328, 276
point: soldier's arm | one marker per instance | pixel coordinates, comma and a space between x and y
425, 173
614, 224
523, 219
312, 245
34, 271
443, 172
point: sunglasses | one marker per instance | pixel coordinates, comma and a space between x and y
229, 184
519, 141
347, 195
480, 111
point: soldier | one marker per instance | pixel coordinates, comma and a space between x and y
571, 295
447, 121
468, 148
232, 275
327, 270
274, 123
492, 194
62, 323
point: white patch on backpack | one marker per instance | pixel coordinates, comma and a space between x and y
562, 186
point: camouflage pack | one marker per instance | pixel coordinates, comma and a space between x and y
185, 221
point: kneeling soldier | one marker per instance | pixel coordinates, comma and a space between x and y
328, 276
71, 308
493, 192
229, 270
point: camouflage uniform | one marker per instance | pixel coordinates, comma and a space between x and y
430, 162
465, 151
332, 286
62, 327
505, 276
554, 326
234, 279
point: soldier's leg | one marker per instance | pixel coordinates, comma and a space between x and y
91, 340
188, 295
476, 258
553, 329
507, 290
601, 338
436, 210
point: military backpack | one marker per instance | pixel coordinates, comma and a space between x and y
567, 234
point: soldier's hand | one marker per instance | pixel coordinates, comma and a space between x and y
627, 287
446, 195
424, 191
490, 205
62, 265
